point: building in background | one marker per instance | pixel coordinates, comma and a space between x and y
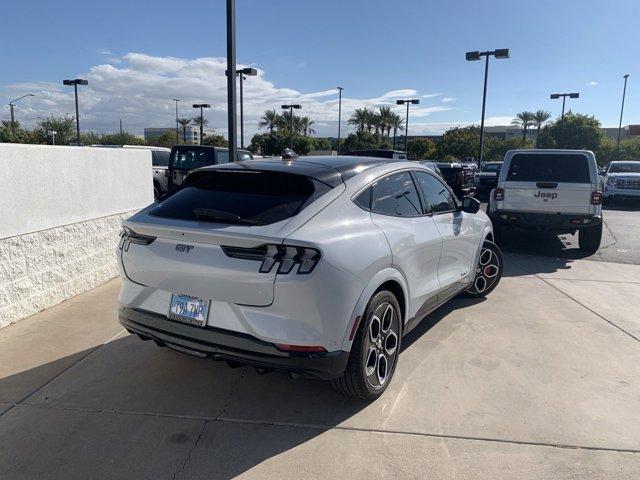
628, 131
191, 133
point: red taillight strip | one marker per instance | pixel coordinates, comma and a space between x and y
596, 198
300, 348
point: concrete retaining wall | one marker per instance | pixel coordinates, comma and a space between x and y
60, 215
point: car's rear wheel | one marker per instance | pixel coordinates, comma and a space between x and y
375, 350
488, 271
589, 238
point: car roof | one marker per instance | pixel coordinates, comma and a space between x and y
332, 170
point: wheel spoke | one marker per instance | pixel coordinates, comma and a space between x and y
372, 362
391, 343
387, 318
374, 328
382, 369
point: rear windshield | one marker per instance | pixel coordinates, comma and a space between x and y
241, 197
159, 158
625, 168
549, 167
492, 167
189, 157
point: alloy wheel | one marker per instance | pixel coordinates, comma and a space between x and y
487, 272
381, 345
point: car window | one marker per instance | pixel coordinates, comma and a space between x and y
549, 167
625, 167
492, 167
222, 156
185, 157
396, 195
363, 200
436, 196
244, 156
159, 158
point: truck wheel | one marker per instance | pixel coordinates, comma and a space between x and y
589, 238
375, 350
156, 192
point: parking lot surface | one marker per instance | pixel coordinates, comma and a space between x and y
540, 380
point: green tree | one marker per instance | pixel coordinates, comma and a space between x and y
196, 121
459, 142
576, 131
167, 140
421, 149
65, 128
184, 122
270, 120
359, 119
607, 152
524, 119
397, 123
305, 126
539, 118
494, 148
215, 140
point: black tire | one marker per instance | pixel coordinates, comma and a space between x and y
355, 382
589, 238
488, 271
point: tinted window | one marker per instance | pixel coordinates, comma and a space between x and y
363, 200
159, 158
243, 197
436, 196
492, 167
396, 195
189, 157
222, 156
549, 167
625, 167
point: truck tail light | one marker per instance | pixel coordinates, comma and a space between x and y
498, 194
286, 256
596, 198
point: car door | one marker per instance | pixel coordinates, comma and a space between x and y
413, 237
457, 229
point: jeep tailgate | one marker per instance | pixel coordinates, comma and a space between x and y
542, 197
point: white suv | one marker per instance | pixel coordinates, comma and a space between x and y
551, 190
621, 180
313, 266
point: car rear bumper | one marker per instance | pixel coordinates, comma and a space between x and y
219, 344
621, 193
545, 221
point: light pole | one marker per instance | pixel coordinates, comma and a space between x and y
177, 128
250, 72
408, 102
232, 118
555, 96
499, 53
75, 83
624, 92
53, 137
201, 106
11, 105
291, 107
339, 114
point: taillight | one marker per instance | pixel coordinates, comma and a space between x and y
498, 194
596, 198
128, 236
286, 256
300, 348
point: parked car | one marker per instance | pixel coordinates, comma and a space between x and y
551, 190
487, 178
313, 266
432, 165
458, 177
621, 180
379, 153
185, 158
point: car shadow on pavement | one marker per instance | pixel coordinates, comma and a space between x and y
164, 411
622, 206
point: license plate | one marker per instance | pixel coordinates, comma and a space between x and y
188, 309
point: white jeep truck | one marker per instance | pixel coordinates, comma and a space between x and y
550, 190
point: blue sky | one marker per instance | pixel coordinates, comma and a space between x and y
140, 54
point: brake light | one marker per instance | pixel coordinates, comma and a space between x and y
498, 194
128, 236
596, 198
286, 256
300, 348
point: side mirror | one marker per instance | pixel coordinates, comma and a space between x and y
470, 205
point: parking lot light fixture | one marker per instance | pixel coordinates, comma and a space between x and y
177, 128
556, 96
408, 101
290, 107
75, 82
201, 106
11, 105
499, 53
624, 92
243, 73
339, 115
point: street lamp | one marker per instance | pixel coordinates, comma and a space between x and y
624, 92
250, 72
291, 107
408, 101
555, 96
231, 81
11, 105
75, 83
53, 137
201, 106
499, 53
339, 114
177, 129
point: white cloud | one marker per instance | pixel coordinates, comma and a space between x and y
139, 89
447, 99
592, 83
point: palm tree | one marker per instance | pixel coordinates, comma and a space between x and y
397, 123
385, 116
269, 120
196, 121
305, 126
524, 119
370, 119
359, 119
539, 118
184, 122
